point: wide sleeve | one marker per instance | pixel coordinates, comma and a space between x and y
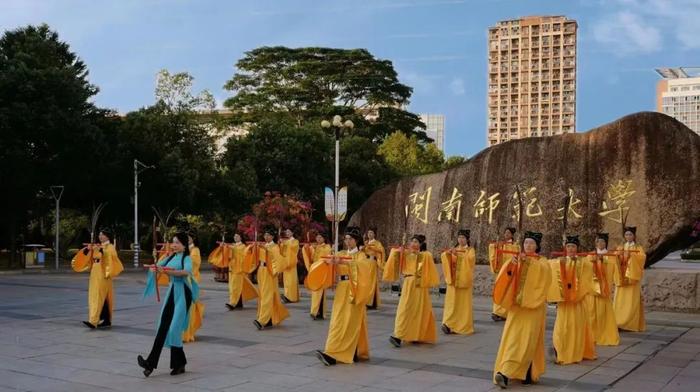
216, 257
381, 255
391, 268
278, 262
430, 277
81, 261
585, 285
554, 293
445, 260
503, 287
536, 285
635, 266
307, 253
361, 280
492, 258
293, 255
187, 264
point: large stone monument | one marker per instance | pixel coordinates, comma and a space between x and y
643, 169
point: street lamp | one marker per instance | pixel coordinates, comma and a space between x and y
57, 192
339, 125
138, 168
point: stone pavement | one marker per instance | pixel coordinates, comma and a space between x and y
44, 347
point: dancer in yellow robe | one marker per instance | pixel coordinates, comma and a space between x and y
313, 255
240, 288
599, 304
496, 259
289, 248
104, 264
629, 304
415, 321
521, 288
572, 282
197, 308
271, 311
458, 268
347, 339
375, 251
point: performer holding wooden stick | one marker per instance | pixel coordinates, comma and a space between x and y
629, 304
521, 288
458, 268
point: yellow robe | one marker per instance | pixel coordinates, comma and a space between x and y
572, 282
629, 304
312, 255
599, 304
290, 250
524, 298
240, 288
271, 263
415, 321
347, 332
197, 308
100, 288
495, 262
377, 255
457, 313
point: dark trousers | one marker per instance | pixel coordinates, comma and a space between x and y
104, 313
177, 354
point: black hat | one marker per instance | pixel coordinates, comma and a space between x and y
603, 236
632, 229
354, 232
511, 229
420, 238
464, 232
108, 232
535, 236
271, 230
373, 229
573, 239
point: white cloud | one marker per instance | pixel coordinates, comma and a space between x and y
627, 33
457, 86
642, 26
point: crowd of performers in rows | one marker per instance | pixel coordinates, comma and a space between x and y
597, 293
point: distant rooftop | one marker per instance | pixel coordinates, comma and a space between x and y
679, 72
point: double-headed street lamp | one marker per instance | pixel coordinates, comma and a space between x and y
339, 126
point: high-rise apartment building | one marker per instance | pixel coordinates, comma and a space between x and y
435, 128
678, 95
532, 78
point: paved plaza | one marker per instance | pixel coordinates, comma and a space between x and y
44, 347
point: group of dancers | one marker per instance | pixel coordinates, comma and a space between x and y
596, 293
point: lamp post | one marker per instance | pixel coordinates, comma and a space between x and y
338, 125
57, 192
138, 168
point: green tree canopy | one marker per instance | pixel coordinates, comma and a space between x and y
307, 84
406, 156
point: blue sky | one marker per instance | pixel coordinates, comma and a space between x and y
437, 46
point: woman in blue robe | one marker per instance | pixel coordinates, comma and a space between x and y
174, 316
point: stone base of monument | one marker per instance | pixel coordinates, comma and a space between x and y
664, 289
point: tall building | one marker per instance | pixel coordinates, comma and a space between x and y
532, 78
435, 128
678, 95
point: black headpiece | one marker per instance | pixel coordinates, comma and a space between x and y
421, 238
464, 232
573, 239
604, 237
632, 229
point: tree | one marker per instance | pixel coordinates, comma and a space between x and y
175, 92
406, 156
281, 212
454, 161
47, 122
307, 84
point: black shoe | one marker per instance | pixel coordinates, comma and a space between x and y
317, 317
177, 371
104, 324
258, 325
496, 317
528, 379
230, 307
239, 305
89, 325
395, 341
552, 354
445, 329
501, 380
147, 369
325, 359
372, 307
285, 299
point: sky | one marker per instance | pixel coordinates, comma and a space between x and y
438, 47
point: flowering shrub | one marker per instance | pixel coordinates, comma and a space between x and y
282, 212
